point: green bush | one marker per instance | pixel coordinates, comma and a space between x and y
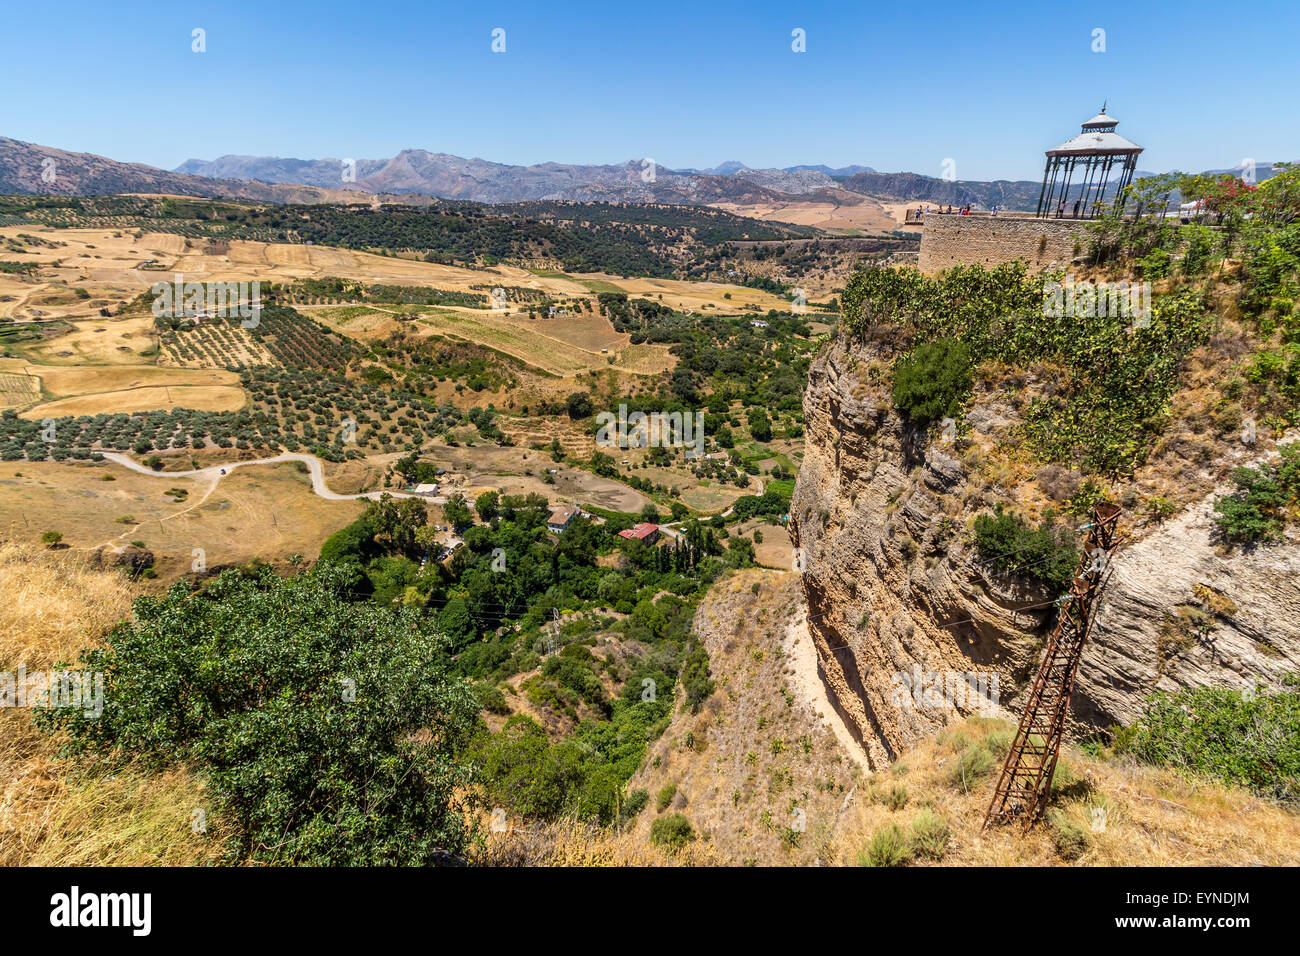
673, 831
999, 742
1045, 554
971, 765
1250, 740
1070, 839
930, 833
1156, 265
491, 699
636, 802
1265, 500
933, 382
664, 798
888, 847
302, 710
896, 796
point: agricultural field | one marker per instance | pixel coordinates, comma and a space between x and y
18, 388
215, 345
90, 512
149, 398
129, 340
355, 361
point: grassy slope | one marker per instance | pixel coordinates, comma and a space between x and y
49, 816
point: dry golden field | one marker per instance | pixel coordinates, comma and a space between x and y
264, 511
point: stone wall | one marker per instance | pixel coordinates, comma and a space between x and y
954, 240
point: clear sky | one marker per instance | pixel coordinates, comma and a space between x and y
896, 86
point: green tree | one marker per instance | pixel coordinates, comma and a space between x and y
308, 715
457, 512
488, 505
579, 405
933, 381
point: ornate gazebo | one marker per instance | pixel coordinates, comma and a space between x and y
1085, 164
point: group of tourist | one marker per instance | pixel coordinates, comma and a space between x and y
963, 211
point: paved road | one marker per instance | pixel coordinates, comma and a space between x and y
216, 472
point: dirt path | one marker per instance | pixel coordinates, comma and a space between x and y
809, 687
217, 472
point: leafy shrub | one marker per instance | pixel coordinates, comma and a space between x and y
930, 833
522, 770
664, 798
1242, 739
1045, 554
1265, 500
1156, 265
932, 382
491, 699
301, 709
888, 847
673, 831
635, 802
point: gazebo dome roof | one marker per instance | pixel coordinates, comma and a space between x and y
1097, 138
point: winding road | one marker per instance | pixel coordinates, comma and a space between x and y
217, 472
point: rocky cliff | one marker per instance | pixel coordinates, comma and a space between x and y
898, 596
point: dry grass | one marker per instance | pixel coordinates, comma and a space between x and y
204, 398
1128, 815
50, 813
567, 843
55, 603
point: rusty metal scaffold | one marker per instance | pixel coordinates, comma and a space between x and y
1025, 782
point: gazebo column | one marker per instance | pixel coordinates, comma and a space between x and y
1047, 168
1102, 181
1054, 163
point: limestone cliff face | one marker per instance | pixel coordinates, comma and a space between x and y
893, 587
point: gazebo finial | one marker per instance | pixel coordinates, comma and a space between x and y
1103, 105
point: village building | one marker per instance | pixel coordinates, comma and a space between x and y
645, 531
561, 517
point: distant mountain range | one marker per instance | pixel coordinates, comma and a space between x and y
454, 177
28, 168
415, 175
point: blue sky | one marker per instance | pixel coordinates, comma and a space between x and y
892, 86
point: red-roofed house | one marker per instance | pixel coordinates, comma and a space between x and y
645, 531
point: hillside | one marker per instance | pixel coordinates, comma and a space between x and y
26, 168
763, 774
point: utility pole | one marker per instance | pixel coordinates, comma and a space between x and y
1026, 779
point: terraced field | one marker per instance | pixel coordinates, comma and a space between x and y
17, 388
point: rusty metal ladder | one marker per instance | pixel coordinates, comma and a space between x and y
1025, 782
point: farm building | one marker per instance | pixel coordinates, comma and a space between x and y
645, 531
561, 518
